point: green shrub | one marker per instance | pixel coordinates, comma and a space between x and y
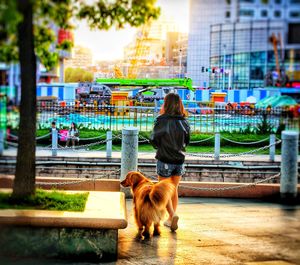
264, 127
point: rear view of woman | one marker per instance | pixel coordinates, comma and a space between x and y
170, 136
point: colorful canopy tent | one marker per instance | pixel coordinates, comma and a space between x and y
276, 101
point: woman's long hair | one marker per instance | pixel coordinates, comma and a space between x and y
173, 106
74, 126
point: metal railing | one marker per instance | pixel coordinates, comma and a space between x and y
201, 119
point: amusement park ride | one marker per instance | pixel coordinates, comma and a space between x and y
123, 82
115, 91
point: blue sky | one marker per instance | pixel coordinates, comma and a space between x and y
108, 45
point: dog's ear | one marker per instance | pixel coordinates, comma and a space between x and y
134, 178
129, 179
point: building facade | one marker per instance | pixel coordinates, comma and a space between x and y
238, 52
176, 51
81, 58
153, 50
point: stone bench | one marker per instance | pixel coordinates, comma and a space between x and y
91, 235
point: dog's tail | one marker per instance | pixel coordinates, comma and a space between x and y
161, 193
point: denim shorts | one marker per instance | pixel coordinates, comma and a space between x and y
168, 170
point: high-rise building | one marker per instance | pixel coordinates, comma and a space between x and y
81, 58
148, 48
230, 42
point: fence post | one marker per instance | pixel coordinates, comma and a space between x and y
108, 144
272, 147
129, 153
54, 142
1, 142
217, 146
156, 108
289, 164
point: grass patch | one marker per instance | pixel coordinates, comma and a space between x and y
46, 200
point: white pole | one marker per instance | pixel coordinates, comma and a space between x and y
1, 142
180, 59
10, 91
217, 146
54, 142
129, 154
289, 165
224, 63
229, 79
272, 149
108, 144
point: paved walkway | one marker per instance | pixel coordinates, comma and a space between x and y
219, 231
214, 231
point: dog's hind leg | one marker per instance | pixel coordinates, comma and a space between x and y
138, 223
146, 232
156, 231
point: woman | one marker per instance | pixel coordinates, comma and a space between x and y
73, 135
170, 136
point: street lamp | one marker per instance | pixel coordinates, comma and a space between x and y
180, 59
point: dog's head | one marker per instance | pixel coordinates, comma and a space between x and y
132, 179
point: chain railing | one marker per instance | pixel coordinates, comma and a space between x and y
245, 143
143, 139
77, 147
37, 138
201, 141
87, 139
72, 182
251, 152
62, 148
234, 187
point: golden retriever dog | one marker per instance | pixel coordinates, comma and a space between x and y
149, 200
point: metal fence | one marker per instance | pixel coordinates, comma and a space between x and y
201, 119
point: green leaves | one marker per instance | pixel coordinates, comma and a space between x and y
9, 19
104, 15
50, 15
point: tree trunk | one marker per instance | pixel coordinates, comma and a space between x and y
24, 183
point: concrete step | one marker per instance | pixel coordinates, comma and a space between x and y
91, 235
196, 170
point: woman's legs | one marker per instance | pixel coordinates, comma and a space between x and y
175, 180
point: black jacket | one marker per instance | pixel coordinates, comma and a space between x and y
170, 136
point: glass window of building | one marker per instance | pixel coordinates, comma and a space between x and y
265, 1
246, 12
227, 14
228, 2
295, 14
264, 13
295, 1
277, 13
277, 1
